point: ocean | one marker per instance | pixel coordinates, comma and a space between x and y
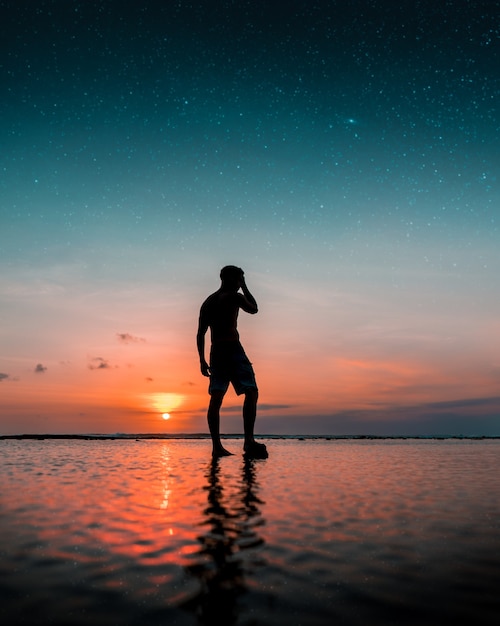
140, 531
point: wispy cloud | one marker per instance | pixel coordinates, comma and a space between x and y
40, 369
261, 407
98, 363
3, 376
128, 338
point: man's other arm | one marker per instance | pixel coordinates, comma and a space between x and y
200, 342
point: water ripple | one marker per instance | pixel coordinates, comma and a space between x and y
156, 532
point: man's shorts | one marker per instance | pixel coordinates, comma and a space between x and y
230, 364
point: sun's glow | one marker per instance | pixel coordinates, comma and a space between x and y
165, 403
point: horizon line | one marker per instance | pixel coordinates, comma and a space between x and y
119, 435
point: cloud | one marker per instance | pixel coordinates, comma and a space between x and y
98, 363
40, 369
3, 376
128, 338
149, 379
273, 407
261, 407
467, 417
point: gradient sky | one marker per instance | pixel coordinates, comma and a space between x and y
345, 154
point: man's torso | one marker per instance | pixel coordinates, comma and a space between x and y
221, 311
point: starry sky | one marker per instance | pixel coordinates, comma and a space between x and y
344, 153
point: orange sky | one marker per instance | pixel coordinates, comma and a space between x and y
116, 360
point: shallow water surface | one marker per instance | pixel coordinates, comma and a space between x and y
153, 532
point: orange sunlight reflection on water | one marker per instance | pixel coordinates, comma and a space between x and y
306, 531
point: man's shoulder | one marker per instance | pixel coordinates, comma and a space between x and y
223, 297
213, 297
211, 303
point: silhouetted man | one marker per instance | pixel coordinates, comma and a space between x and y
228, 361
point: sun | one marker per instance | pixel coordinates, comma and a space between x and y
166, 416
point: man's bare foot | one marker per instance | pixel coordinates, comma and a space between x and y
218, 452
255, 450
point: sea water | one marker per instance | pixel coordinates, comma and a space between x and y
140, 532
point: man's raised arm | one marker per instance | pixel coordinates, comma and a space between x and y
248, 302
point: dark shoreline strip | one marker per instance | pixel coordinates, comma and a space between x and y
197, 436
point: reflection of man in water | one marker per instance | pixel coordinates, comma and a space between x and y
230, 546
228, 361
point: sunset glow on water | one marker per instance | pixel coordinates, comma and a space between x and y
150, 532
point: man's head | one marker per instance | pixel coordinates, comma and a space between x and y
231, 277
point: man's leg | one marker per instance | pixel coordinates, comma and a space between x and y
213, 417
251, 447
249, 414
